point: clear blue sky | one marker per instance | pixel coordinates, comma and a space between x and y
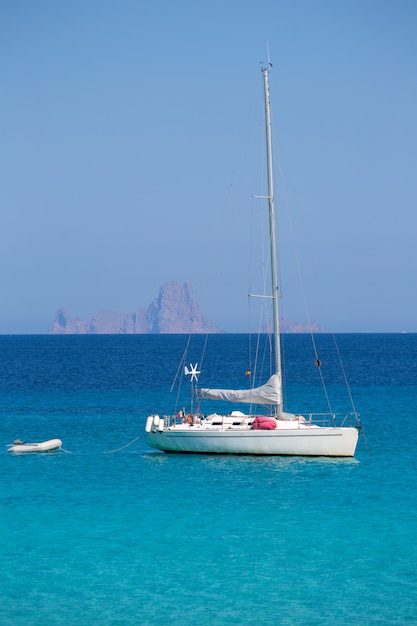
129, 135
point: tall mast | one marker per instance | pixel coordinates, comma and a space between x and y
272, 237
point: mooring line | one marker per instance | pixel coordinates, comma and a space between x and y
118, 449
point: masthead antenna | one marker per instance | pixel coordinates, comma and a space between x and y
267, 64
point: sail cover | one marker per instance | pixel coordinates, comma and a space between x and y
270, 393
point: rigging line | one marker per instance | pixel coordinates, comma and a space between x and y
122, 448
258, 368
301, 283
251, 367
306, 305
253, 359
263, 321
181, 363
262, 224
230, 210
262, 364
249, 338
204, 353
253, 364
309, 317
366, 442
180, 369
344, 374
263, 313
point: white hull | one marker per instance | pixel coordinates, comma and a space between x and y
302, 440
44, 446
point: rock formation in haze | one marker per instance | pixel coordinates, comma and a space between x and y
297, 327
173, 311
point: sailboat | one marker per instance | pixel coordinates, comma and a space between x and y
279, 432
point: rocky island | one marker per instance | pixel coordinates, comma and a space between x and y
173, 311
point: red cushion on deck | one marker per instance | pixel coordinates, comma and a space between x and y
264, 423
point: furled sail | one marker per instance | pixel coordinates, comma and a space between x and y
270, 393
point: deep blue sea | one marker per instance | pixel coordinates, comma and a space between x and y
106, 533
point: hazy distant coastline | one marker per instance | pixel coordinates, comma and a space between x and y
174, 311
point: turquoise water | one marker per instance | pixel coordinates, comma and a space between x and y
103, 535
